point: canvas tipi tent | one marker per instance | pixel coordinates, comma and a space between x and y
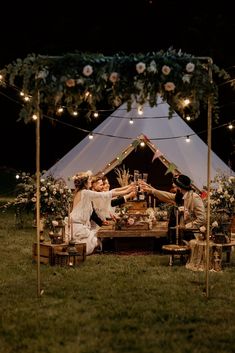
115, 139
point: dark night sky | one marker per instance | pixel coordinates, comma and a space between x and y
199, 28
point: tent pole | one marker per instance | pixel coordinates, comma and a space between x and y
39, 292
209, 123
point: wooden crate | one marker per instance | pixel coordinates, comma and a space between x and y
136, 205
81, 249
48, 251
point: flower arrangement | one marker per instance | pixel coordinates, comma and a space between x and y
55, 197
123, 176
222, 204
222, 194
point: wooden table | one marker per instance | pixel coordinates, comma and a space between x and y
134, 236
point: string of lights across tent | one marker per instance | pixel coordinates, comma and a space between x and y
130, 119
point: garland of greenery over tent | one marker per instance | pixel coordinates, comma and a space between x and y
81, 81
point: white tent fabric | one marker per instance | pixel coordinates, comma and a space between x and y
115, 134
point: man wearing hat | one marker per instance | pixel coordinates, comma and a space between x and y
194, 214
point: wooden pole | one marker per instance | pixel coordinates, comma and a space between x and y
39, 291
209, 122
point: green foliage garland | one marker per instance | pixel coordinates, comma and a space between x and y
81, 81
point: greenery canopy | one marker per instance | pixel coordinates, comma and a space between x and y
81, 81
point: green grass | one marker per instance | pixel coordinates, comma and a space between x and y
111, 303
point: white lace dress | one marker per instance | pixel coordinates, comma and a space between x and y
80, 229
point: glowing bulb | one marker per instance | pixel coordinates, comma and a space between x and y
60, 110
91, 136
75, 113
230, 126
186, 102
17, 176
96, 114
188, 118
142, 144
140, 110
34, 117
187, 139
131, 121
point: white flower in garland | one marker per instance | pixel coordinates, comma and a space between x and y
80, 81
140, 67
70, 82
114, 77
169, 86
190, 67
186, 78
152, 67
87, 70
166, 70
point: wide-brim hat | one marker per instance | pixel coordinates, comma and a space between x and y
182, 181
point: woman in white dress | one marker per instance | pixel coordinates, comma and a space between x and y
80, 230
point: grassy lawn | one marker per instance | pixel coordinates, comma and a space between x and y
111, 303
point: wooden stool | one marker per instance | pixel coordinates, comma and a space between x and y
176, 250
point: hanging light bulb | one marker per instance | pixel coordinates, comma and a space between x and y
230, 126
187, 139
91, 136
131, 121
140, 110
188, 118
186, 102
96, 114
142, 143
60, 110
34, 117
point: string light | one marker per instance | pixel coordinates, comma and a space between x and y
91, 136
230, 126
140, 110
142, 143
60, 110
131, 121
96, 114
186, 102
187, 139
188, 118
34, 117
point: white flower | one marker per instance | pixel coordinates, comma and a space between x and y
169, 86
186, 78
42, 74
87, 70
214, 224
166, 70
190, 67
55, 223
152, 67
140, 67
114, 77
80, 81
130, 221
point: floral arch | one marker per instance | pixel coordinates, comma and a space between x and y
81, 81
